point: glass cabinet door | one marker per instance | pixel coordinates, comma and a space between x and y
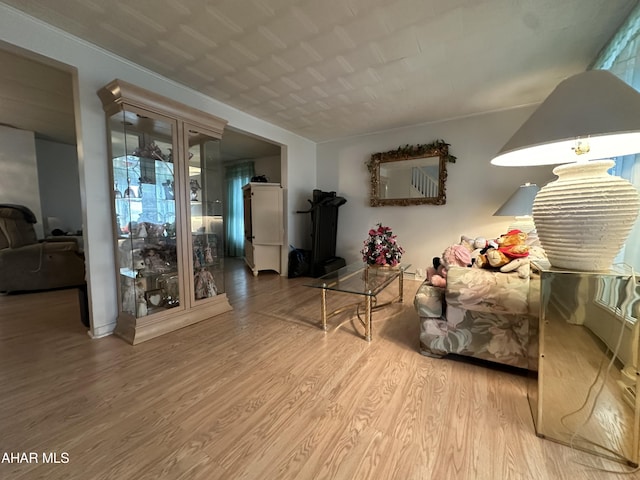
143, 175
166, 177
205, 185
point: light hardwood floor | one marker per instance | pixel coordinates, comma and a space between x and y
261, 393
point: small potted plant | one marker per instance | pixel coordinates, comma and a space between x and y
381, 248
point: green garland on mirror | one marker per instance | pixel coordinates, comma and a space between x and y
438, 148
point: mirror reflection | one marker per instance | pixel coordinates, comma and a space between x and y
416, 178
410, 175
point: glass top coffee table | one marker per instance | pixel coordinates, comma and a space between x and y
363, 281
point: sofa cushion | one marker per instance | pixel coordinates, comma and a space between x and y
18, 233
4, 241
487, 291
17, 212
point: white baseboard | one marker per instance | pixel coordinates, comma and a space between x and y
102, 331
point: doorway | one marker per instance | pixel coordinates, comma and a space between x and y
38, 106
39, 161
244, 156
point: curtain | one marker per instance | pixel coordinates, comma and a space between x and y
236, 176
622, 58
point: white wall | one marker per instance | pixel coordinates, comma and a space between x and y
19, 171
59, 184
475, 189
269, 166
95, 68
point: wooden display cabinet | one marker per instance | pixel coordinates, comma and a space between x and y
167, 179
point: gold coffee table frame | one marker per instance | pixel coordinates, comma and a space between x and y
362, 280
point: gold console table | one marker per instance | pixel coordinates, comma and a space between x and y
584, 360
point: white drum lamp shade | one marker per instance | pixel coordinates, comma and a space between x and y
584, 217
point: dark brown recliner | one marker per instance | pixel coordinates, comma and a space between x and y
27, 264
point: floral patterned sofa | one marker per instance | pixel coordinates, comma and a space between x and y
479, 313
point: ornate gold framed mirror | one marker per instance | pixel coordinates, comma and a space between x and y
410, 175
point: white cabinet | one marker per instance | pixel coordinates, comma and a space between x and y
263, 226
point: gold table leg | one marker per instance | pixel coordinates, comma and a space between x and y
370, 303
323, 308
367, 318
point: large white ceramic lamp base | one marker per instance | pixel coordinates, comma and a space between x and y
584, 217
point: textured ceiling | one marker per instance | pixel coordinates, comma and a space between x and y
38, 97
327, 69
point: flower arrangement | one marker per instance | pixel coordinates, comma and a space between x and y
381, 248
